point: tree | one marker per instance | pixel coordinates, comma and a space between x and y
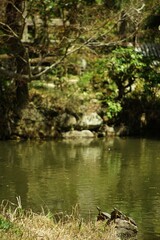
12, 29
84, 26
124, 68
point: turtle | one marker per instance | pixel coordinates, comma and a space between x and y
118, 214
102, 215
124, 225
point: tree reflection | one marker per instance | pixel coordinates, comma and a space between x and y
116, 172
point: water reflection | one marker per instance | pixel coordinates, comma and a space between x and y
122, 173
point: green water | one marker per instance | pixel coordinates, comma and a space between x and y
122, 173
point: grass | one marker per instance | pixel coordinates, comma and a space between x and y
15, 223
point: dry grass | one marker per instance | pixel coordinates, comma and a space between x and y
15, 224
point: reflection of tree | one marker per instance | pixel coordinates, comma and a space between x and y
14, 178
122, 173
139, 180
62, 165
20, 180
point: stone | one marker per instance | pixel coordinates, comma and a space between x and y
32, 124
90, 121
66, 121
110, 131
125, 227
78, 134
122, 130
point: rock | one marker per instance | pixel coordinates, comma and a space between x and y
90, 121
78, 134
122, 130
66, 121
32, 124
125, 227
110, 131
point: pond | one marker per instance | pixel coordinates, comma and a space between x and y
57, 175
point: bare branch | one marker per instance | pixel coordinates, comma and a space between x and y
9, 74
139, 9
98, 39
9, 29
14, 6
47, 69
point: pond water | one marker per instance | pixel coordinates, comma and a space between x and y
117, 172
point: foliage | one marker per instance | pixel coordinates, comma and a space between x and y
124, 68
133, 74
103, 86
84, 24
151, 76
5, 224
113, 108
122, 72
57, 8
84, 82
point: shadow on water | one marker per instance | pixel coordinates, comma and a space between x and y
116, 172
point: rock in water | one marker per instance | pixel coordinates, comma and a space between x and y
126, 227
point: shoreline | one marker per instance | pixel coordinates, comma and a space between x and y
16, 223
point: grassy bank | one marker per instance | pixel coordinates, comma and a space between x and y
15, 223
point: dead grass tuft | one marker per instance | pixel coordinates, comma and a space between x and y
15, 223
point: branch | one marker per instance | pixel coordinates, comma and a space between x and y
92, 41
10, 29
47, 69
67, 53
139, 9
16, 8
9, 74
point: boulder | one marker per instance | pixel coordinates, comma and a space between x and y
90, 121
122, 130
125, 227
32, 124
66, 121
78, 134
109, 130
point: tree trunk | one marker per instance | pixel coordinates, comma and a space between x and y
5, 128
12, 27
123, 25
14, 20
